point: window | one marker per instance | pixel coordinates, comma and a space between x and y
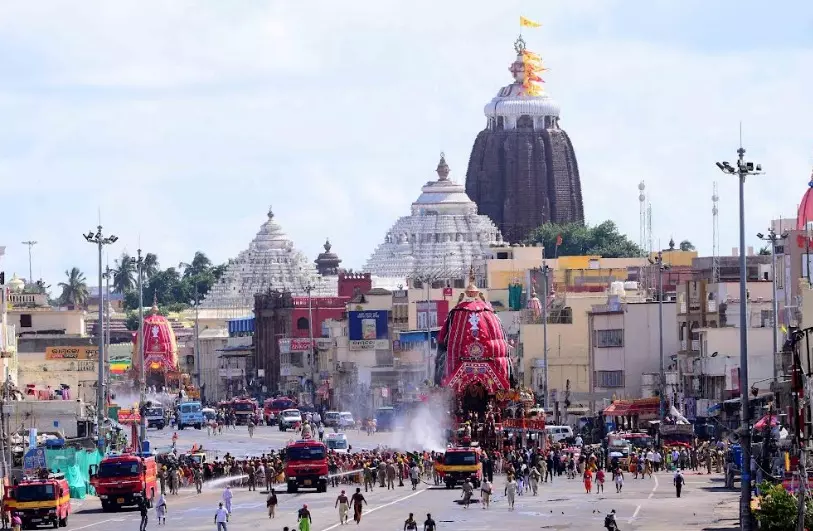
609, 338
302, 323
25, 320
609, 378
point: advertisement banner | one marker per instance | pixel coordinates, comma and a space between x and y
294, 344
431, 314
372, 344
71, 353
370, 325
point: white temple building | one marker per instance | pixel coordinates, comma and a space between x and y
442, 238
270, 262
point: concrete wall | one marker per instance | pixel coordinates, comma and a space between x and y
72, 321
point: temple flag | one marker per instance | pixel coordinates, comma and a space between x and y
528, 23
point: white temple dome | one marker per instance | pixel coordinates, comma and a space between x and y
270, 262
443, 236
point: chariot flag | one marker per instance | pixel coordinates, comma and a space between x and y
528, 23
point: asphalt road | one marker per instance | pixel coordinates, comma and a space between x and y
644, 504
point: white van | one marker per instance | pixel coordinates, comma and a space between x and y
559, 433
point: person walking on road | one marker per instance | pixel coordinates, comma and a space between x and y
619, 480
305, 518
510, 492
271, 504
467, 489
588, 481
415, 475
429, 524
344, 505
600, 480
144, 507
221, 517
410, 524
485, 493
678, 481
358, 499
390, 475
161, 510
227, 496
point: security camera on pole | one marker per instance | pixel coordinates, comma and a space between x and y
743, 170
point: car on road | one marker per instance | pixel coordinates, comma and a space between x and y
337, 442
331, 419
346, 420
289, 419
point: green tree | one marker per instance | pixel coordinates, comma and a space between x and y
686, 245
131, 321
150, 266
74, 289
778, 509
165, 287
124, 274
580, 239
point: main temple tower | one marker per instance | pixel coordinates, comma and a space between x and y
522, 170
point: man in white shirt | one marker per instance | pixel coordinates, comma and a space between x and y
221, 517
227, 496
579, 440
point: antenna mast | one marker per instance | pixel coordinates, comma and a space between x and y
649, 226
642, 216
715, 252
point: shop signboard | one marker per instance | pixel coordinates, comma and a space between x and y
368, 329
71, 353
288, 345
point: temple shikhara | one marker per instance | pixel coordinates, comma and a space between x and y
522, 170
270, 262
443, 236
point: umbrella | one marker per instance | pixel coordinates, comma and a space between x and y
616, 454
761, 423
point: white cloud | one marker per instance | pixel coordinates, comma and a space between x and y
185, 120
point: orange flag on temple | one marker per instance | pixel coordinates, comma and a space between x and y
528, 23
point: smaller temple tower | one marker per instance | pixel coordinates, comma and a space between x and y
327, 263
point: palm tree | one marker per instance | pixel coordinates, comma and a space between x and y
124, 274
200, 264
150, 266
75, 290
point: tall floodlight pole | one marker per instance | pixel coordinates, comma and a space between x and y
312, 347
743, 170
106, 301
658, 261
197, 337
545, 290
30, 244
142, 371
774, 238
100, 241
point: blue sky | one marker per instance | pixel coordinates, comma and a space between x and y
183, 121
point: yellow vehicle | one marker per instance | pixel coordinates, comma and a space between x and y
40, 501
459, 464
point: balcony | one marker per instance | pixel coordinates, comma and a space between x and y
28, 300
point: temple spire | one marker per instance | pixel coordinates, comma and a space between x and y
443, 168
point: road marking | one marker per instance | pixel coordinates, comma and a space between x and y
651, 494
94, 523
374, 509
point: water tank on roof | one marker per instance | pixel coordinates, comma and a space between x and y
617, 288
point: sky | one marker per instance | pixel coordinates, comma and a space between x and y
179, 123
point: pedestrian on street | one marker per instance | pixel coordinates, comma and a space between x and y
511, 491
344, 505
161, 510
588, 481
144, 507
600, 480
485, 493
619, 480
415, 475
410, 524
221, 517
678, 481
429, 524
467, 489
271, 504
16, 522
358, 499
227, 496
304, 518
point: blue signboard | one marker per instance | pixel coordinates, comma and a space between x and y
368, 325
34, 459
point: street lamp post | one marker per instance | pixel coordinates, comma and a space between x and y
658, 261
743, 170
774, 238
30, 244
100, 241
197, 338
107, 274
142, 379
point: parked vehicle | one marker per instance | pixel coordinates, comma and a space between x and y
274, 406
290, 419
385, 419
190, 414
156, 417
346, 420
331, 419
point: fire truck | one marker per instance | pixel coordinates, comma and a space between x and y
306, 465
274, 406
44, 501
245, 408
125, 479
460, 463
